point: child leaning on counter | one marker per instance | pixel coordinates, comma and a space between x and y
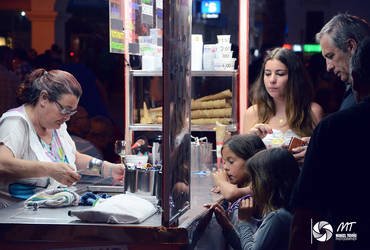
36, 151
233, 182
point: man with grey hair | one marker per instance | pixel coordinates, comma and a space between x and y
334, 182
338, 39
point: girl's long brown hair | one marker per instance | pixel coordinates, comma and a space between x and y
298, 96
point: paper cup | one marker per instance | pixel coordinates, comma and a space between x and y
224, 64
223, 38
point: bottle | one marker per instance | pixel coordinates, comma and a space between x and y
156, 151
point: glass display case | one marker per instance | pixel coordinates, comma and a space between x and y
170, 98
214, 98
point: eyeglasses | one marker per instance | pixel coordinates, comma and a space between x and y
65, 111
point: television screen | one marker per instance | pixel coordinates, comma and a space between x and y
210, 7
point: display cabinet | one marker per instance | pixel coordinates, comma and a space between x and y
159, 102
216, 91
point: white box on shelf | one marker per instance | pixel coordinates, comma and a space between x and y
148, 62
196, 52
147, 49
209, 53
158, 63
198, 38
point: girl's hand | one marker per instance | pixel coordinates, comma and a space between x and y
300, 152
220, 176
207, 217
216, 190
245, 210
222, 218
261, 130
306, 140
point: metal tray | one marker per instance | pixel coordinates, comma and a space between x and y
105, 189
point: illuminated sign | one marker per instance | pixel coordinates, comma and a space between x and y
210, 9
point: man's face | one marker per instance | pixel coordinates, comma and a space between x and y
337, 61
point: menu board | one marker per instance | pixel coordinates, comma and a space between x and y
131, 19
116, 31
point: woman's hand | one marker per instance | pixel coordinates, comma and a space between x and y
300, 152
221, 217
245, 210
260, 130
118, 172
63, 173
220, 176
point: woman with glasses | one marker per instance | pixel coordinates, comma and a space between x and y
36, 151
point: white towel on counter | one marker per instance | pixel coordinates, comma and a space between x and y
122, 208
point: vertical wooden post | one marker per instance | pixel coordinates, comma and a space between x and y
176, 107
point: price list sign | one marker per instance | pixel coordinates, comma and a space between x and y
116, 30
131, 19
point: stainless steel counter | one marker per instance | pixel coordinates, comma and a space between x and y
20, 225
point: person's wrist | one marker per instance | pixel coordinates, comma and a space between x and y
47, 168
107, 169
244, 219
111, 170
101, 171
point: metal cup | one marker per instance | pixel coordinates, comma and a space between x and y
146, 181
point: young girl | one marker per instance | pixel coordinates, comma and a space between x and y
282, 102
233, 181
273, 173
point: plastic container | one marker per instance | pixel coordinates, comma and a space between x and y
136, 160
223, 38
224, 64
221, 47
225, 54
